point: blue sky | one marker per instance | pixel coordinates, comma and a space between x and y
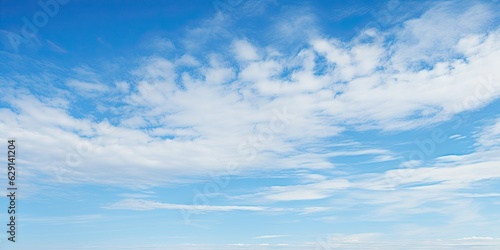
252, 124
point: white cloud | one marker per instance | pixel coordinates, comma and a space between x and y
87, 87
432, 36
359, 60
244, 50
137, 204
296, 26
457, 137
318, 190
489, 137
187, 60
162, 44
218, 75
123, 86
312, 210
411, 164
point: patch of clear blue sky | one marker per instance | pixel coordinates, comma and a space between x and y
99, 29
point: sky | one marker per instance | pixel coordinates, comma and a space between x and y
251, 124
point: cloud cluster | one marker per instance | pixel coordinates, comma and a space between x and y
192, 114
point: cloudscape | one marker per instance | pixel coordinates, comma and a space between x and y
250, 124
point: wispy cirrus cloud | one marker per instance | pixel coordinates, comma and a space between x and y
137, 204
